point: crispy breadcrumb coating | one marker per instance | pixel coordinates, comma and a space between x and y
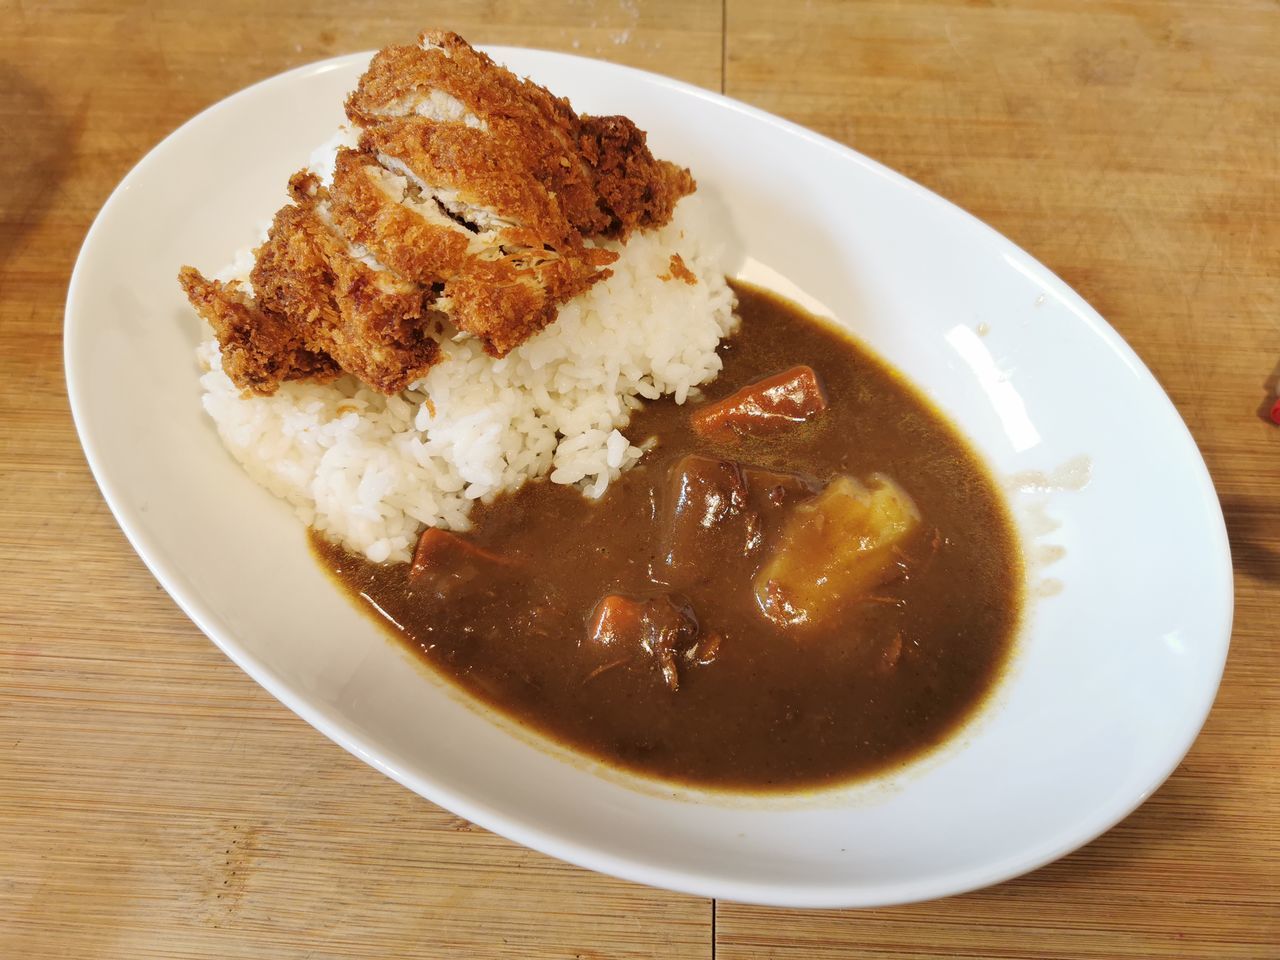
443, 77
636, 189
585, 161
372, 322
260, 349
425, 199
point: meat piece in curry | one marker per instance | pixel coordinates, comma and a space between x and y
794, 587
663, 628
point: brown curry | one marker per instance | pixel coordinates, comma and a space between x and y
808, 578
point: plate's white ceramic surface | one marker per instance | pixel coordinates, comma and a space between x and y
1114, 672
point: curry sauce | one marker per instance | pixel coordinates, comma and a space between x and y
526, 611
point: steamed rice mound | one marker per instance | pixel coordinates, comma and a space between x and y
370, 471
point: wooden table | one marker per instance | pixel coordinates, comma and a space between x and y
155, 802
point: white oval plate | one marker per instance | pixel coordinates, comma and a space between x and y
1113, 676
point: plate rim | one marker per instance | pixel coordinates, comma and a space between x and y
707, 883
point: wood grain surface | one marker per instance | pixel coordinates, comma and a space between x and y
155, 802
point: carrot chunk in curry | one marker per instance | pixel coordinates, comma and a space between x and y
766, 406
440, 551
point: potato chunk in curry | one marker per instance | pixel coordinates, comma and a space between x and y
834, 550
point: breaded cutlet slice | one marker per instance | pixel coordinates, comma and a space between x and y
637, 189
260, 349
578, 159
476, 179
500, 293
443, 204
374, 323
443, 78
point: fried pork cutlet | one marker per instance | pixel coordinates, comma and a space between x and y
260, 349
637, 189
579, 159
444, 203
376, 324
473, 197
444, 79
319, 308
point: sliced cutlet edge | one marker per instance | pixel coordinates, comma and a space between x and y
444, 79
376, 324
502, 280
261, 349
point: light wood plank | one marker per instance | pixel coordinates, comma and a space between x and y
154, 802
1131, 147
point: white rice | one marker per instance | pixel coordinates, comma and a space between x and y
371, 471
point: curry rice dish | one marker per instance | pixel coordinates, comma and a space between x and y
789, 571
